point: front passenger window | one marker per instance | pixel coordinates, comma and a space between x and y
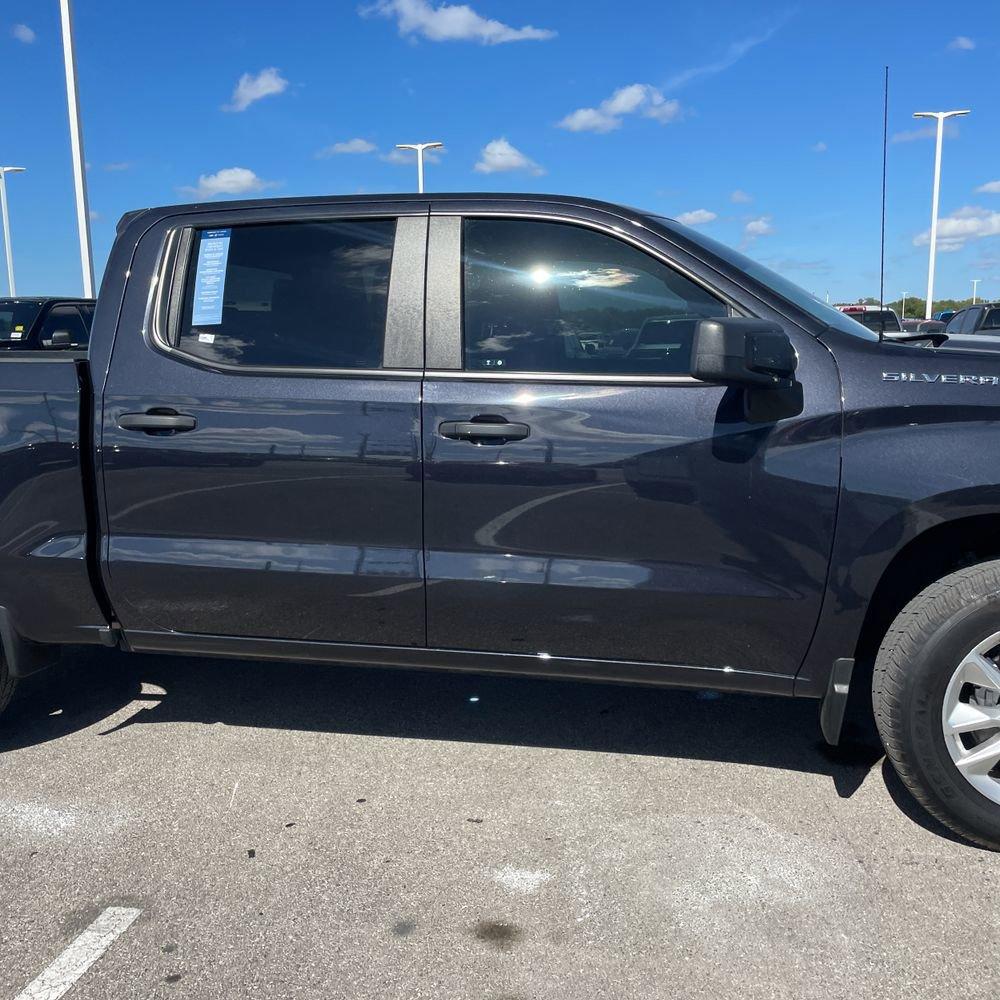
555, 297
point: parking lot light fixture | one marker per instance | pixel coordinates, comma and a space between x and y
419, 147
940, 116
8, 252
76, 148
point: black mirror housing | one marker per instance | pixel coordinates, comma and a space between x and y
59, 338
745, 352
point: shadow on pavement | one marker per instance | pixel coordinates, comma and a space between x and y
91, 685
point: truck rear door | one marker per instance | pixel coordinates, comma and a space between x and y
261, 421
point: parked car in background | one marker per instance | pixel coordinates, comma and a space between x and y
944, 315
873, 317
981, 318
923, 326
45, 324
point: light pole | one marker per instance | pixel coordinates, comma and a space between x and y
419, 147
6, 224
975, 285
76, 146
940, 116
902, 311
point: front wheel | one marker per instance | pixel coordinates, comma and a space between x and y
936, 695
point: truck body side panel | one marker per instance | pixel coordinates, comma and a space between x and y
918, 452
43, 515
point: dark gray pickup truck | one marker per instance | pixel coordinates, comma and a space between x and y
517, 434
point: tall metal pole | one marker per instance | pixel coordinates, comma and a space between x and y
419, 148
934, 217
975, 285
8, 251
940, 116
902, 311
76, 145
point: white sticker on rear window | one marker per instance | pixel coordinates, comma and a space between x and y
210, 277
206, 338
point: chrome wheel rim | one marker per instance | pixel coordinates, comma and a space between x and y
970, 717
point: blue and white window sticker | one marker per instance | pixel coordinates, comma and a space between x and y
210, 277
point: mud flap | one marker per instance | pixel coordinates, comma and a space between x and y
831, 712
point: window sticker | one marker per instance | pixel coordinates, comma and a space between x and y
17, 334
210, 277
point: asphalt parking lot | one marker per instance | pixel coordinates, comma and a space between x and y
285, 830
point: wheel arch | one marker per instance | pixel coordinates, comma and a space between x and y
928, 556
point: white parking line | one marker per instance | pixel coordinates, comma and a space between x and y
60, 976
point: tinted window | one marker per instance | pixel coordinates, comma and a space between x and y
61, 320
310, 295
16, 320
550, 297
955, 323
992, 320
969, 320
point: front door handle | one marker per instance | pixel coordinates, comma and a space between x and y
157, 421
474, 430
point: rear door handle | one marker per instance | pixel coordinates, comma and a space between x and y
157, 421
473, 430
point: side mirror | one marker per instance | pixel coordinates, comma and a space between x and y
744, 352
60, 338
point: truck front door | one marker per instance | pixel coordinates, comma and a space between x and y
585, 498
260, 431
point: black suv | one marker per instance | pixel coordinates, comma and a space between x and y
45, 324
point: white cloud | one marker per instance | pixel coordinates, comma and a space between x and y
95, 216
819, 147
761, 226
409, 156
733, 54
118, 167
961, 43
967, 223
698, 217
23, 33
231, 181
252, 87
451, 23
349, 146
499, 155
924, 132
990, 187
739, 197
636, 98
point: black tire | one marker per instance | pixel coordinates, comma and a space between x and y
8, 684
921, 651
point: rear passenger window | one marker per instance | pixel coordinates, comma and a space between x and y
992, 321
553, 297
289, 295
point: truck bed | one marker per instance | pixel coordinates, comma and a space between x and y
45, 469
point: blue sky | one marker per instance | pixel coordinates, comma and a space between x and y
764, 120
